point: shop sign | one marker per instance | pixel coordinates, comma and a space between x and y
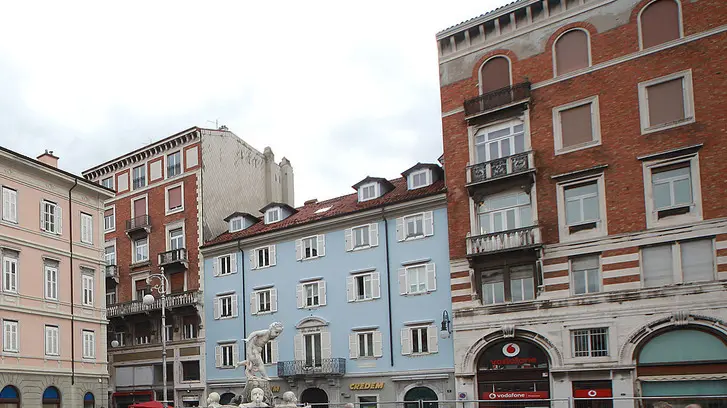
367, 386
515, 395
275, 388
595, 393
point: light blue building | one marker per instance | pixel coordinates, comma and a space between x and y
361, 283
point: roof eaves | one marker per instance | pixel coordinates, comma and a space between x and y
499, 11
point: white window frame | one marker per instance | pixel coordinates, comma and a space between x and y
221, 301
11, 336
695, 212
364, 187
169, 231
10, 274
134, 250
112, 225
368, 353
491, 283
687, 94
423, 332
51, 286
595, 125
146, 176
314, 240
353, 286
427, 178
10, 204
406, 226
257, 295
313, 297
373, 404
269, 353
494, 127
233, 221
111, 297
269, 219
52, 340
355, 236
86, 228
167, 210
87, 288
429, 268
677, 266
144, 197
638, 21
109, 244
598, 271
418, 271
256, 255
590, 59
220, 263
166, 167
89, 344
223, 347
110, 185
601, 225
56, 225
590, 336
519, 222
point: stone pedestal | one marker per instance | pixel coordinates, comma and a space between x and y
258, 383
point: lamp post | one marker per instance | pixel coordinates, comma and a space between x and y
446, 330
161, 288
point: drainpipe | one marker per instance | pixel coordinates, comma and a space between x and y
73, 291
242, 300
388, 289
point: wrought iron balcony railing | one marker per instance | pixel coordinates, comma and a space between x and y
499, 98
173, 256
111, 271
501, 168
188, 298
140, 222
313, 368
504, 240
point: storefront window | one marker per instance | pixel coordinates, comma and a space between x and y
51, 398
514, 369
9, 397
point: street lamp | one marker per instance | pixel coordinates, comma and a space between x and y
446, 330
161, 288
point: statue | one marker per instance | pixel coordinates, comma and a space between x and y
289, 400
213, 401
256, 399
254, 366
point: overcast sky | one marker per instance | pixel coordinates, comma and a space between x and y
343, 89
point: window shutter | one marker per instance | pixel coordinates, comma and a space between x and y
253, 259
42, 224
374, 234
235, 353
405, 341
402, 282
271, 250
351, 288
348, 236
378, 344
273, 300
218, 356
59, 220
433, 341
298, 347
325, 344
321, 245
375, 285
253, 303
322, 292
215, 266
274, 355
217, 308
431, 277
400, 235
298, 249
428, 224
233, 263
234, 305
353, 345
300, 296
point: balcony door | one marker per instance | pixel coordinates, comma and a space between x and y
496, 142
504, 212
139, 207
312, 349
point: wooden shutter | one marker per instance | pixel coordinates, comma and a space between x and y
353, 345
216, 266
42, 224
233, 263
253, 259
274, 354
217, 308
235, 353
234, 305
273, 300
403, 286
431, 277
374, 234
273, 260
321, 245
59, 220
400, 233
300, 296
218, 356
299, 249
322, 292
378, 344
428, 224
298, 347
375, 285
254, 303
433, 341
348, 236
351, 288
325, 344
405, 341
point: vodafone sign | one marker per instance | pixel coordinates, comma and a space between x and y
510, 350
515, 395
593, 393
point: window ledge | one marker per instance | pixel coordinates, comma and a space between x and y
140, 264
578, 147
420, 354
407, 239
109, 230
362, 300
669, 125
310, 258
264, 313
174, 211
263, 267
418, 293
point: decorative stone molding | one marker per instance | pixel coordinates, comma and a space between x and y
508, 331
680, 317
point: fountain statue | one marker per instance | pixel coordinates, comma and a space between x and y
289, 400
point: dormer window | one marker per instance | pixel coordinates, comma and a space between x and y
421, 178
368, 192
272, 215
236, 224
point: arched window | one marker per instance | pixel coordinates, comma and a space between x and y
494, 74
89, 401
421, 394
659, 22
51, 398
9, 397
226, 398
572, 52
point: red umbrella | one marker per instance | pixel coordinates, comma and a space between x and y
148, 404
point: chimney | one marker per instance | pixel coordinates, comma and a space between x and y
311, 201
48, 158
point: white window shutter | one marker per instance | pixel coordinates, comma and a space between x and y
348, 236
298, 347
233, 263
253, 303
400, 233
353, 345
42, 224
405, 341
351, 288
217, 308
234, 305
431, 277
253, 259
300, 296
433, 341
216, 266
321, 245
375, 285
374, 234
378, 344
59, 220
428, 224
218, 356
325, 344
274, 355
273, 300
272, 255
298, 249
322, 292
403, 286
235, 353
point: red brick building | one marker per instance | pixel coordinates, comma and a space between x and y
585, 167
172, 195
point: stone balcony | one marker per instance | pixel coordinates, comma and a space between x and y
325, 367
496, 100
503, 241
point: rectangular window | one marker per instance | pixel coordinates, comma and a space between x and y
89, 344
142, 333
110, 255
585, 274
110, 296
310, 247
414, 225
672, 189
272, 215
590, 342
50, 220
666, 102
51, 282
312, 294
176, 239
360, 236
657, 266
236, 224
10, 336
368, 192
10, 205
224, 265
174, 199
505, 212
174, 164
190, 370
169, 332
108, 182
141, 289
141, 250
367, 401
227, 355
225, 306
364, 288
419, 340
496, 142
522, 284
493, 289
576, 125
10, 274
139, 177
313, 349
263, 301
419, 179
51, 341
417, 278
87, 287
120, 337
109, 219
267, 353
263, 257
694, 263
366, 344
189, 327
86, 228
581, 206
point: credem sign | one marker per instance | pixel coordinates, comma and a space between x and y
367, 386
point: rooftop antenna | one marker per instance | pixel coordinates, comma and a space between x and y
216, 122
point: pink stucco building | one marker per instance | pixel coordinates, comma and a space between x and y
52, 305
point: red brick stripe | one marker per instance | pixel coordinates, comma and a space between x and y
721, 237
462, 274
555, 274
554, 261
457, 286
559, 286
621, 279
620, 265
463, 298
620, 251
722, 268
722, 252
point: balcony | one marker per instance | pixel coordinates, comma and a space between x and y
497, 100
503, 241
495, 175
173, 257
174, 300
140, 223
112, 272
301, 368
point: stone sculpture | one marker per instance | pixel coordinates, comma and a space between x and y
256, 399
289, 400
